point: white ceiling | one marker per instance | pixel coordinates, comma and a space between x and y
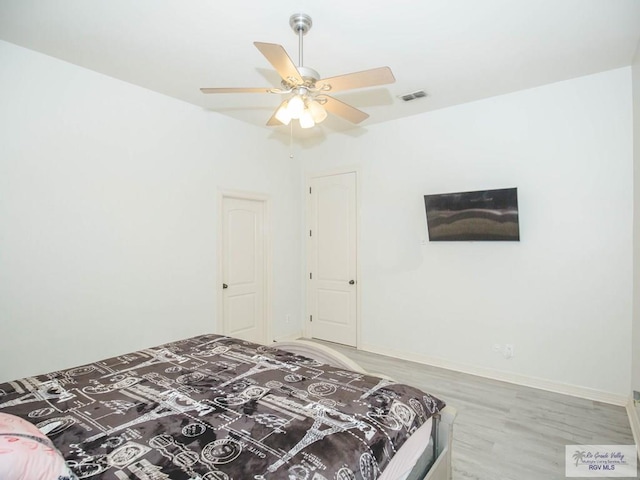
456, 50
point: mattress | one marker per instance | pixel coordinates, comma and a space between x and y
217, 408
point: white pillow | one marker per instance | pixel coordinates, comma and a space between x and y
27, 454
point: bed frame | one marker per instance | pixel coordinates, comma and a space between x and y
443, 422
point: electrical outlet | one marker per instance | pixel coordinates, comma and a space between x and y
287, 318
509, 351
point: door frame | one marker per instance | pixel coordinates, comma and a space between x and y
307, 331
267, 258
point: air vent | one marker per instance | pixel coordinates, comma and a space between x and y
407, 97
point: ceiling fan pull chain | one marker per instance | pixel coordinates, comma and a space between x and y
291, 140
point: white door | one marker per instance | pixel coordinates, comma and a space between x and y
243, 269
332, 278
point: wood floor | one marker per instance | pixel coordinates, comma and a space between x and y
505, 431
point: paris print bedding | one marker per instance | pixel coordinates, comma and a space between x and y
212, 408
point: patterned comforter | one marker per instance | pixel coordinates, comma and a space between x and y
213, 408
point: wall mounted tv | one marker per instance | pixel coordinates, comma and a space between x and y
481, 215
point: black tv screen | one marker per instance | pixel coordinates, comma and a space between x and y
481, 215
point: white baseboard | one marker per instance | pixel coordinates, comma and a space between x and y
289, 337
540, 383
632, 412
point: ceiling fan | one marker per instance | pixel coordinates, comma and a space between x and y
309, 101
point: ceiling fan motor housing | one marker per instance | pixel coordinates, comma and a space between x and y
309, 74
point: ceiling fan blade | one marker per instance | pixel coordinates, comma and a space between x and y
343, 110
366, 78
235, 90
278, 57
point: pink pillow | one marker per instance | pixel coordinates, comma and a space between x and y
27, 454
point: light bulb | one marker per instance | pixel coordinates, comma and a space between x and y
306, 119
317, 111
283, 115
295, 106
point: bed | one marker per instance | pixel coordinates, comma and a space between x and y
216, 408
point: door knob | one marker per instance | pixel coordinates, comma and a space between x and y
351, 282
224, 285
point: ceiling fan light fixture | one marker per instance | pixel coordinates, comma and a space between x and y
318, 113
295, 106
306, 119
283, 115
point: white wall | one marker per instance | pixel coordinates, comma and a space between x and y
108, 214
108, 222
562, 295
